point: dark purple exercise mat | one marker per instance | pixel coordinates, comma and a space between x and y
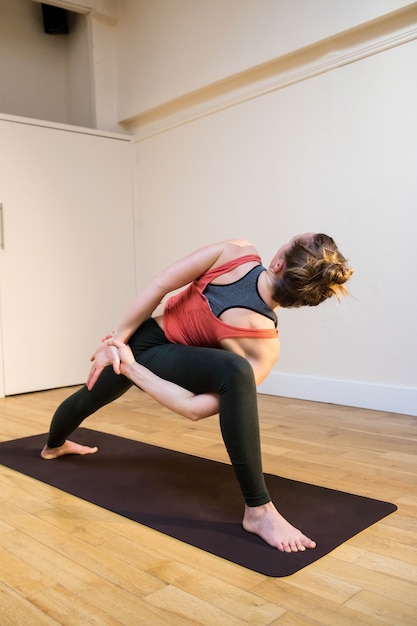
195, 500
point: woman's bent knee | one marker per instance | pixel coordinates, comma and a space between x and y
238, 370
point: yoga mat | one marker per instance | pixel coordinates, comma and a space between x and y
195, 500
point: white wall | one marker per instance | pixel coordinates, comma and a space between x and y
335, 152
46, 77
167, 48
68, 236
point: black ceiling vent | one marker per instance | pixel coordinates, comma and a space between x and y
54, 20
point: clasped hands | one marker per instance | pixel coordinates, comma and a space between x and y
111, 352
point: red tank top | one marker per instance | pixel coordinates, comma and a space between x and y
188, 319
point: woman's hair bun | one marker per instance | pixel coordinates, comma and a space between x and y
314, 270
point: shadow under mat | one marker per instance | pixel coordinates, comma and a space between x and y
195, 500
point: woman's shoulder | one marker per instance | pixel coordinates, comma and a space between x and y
237, 257
236, 248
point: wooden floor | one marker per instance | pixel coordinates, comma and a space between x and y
64, 561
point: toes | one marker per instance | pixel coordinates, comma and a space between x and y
288, 547
299, 545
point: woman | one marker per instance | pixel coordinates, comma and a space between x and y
230, 304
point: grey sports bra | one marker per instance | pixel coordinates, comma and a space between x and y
243, 293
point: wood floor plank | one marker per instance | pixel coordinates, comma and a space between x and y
369, 580
15, 610
381, 608
239, 603
292, 619
20, 576
89, 557
68, 608
319, 583
190, 608
306, 603
100, 603
389, 565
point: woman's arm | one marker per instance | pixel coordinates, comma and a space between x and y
175, 276
168, 394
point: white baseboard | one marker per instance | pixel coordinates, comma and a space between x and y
393, 399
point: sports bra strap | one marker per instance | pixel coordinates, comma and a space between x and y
226, 267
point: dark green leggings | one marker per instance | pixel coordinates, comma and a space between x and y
201, 370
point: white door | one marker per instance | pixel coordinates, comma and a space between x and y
67, 261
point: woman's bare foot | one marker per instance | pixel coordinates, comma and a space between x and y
266, 522
68, 447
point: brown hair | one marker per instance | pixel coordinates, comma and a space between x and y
314, 271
